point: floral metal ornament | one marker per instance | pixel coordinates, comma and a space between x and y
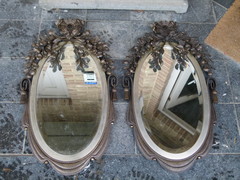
163, 32
52, 46
71, 28
167, 32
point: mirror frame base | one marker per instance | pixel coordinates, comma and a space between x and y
176, 166
70, 167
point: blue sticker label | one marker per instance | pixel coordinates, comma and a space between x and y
90, 82
90, 78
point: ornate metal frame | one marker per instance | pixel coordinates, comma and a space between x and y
153, 43
51, 47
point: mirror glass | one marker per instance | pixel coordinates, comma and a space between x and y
69, 104
171, 104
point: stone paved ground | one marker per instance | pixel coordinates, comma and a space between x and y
20, 23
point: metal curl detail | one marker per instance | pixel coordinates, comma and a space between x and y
127, 85
212, 87
127, 81
113, 82
25, 87
25, 84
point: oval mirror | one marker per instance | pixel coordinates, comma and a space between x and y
69, 105
170, 108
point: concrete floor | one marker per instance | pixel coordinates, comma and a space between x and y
20, 23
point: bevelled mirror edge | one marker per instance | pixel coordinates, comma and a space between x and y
166, 37
50, 48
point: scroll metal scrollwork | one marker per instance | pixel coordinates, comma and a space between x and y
113, 82
24, 87
127, 85
212, 87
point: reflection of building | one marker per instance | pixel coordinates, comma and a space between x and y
163, 130
68, 109
152, 83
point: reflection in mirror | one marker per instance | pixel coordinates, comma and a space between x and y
68, 104
171, 105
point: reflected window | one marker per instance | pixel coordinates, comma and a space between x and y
182, 92
171, 105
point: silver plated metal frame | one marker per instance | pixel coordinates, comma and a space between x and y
50, 47
184, 49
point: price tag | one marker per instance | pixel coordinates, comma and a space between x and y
90, 78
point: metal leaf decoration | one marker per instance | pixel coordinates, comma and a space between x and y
51, 46
166, 31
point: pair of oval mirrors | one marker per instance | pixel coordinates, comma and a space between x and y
69, 90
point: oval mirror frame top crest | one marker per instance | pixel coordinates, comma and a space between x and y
171, 92
70, 49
